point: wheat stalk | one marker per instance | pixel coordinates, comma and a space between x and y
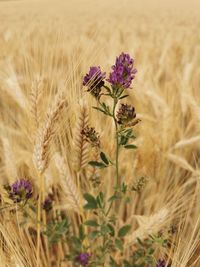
35, 96
80, 144
45, 135
187, 142
72, 195
181, 162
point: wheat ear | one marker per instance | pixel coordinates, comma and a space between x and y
81, 146
147, 225
41, 154
35, 96
45, 135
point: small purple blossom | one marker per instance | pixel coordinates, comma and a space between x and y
161, 263
47, 204
83, 259
91, 136
21, 190
123, 71
94, 80
126, 114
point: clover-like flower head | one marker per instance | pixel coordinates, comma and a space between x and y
83, 259
91, 136
21, 190
94, 80
126, 114
123, 72
47, 204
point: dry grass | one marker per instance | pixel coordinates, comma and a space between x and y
46, 48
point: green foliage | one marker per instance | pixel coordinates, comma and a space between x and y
97, 164
91, 223
91, 201
130, 146
124, 230
104, 158
105, 162
144, 254
105, 109
56, 230
125, 135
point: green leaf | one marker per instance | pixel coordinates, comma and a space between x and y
123, 140
113, 263
101, 110
140, 242
56, 230
124, 230
92, 203
81, 233
129, 132
105, 229
123, 96
97, 164
150, 251
107, 88
119, 244
91, 223
100, 200
113, 198
112, 230
89, 198
130, 147
104, 158
93, 235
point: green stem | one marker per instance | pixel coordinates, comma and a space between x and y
117, 144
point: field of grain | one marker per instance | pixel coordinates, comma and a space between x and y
46, 47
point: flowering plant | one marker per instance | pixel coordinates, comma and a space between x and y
100, 239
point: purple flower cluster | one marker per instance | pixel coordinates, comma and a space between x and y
83, 259
126, 114
121, 76
91, 136
123, 71
47, 204
21, 190
94, 80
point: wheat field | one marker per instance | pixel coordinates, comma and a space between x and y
46, 47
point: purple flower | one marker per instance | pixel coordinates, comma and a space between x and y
160, 263
91, 136
21, 190
83, 259
126, 114
94, 80
47, 204
123, 71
